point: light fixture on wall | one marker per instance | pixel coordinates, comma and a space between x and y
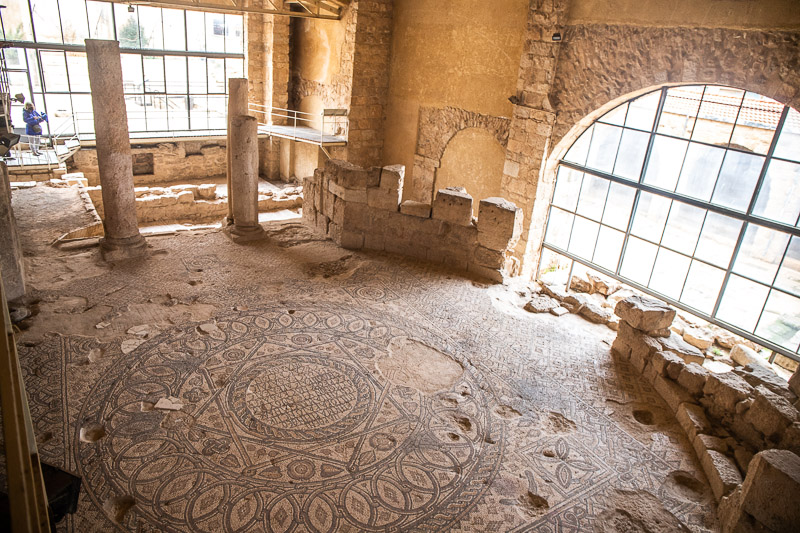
131, 9
556, 37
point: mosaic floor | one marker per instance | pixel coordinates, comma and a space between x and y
315, 389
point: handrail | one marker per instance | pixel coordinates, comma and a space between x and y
302, 125
26, 491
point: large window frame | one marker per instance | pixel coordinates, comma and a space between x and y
758, 226
158, 48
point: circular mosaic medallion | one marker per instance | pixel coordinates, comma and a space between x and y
286, 426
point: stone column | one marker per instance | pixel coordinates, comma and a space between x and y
122, 238
244, 179
237, 105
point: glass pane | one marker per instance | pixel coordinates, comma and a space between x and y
742, 302
638, 260
45, 20
642, 111
631, 154
18, 83
760, 254
196, 31
700, 170
82, 108
127, 26
618, 206
756, 124
584, 238
73, 21
603, 150
198, 112
157, 113
33, 70
17, 21
215, 32
788, 146
580, 148
15, 58
593, 197
150, 30
665, 162
779, 198
234, 68
718, 239
153, 74
234, 34
650, 217
176, 74
702, 286
559, 226
609, 246
54, 68
780, 322
132, 78
197, 75
217, 117
216, 75
101, 24
78, 72
178, 113
737, 179
680, 111
135, 109
174, 29
669, 273
683, 228
789, 275
59, 113
568, 187
616, 116
717, 115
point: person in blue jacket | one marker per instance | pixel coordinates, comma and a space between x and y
33, 130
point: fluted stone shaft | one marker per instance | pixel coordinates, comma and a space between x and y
244, 178
237, 105
122, 238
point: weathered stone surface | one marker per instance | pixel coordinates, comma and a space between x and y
693, 378
722, 473
595, 313
454, 205
11, 260
603, 286
499, 223
383, 198
417, 209
769, 493
743, 457
671, 392
541, 304
791, 438
743, 355
770, 413
702, 443
794, 382
559, 311
578, 284
726, 390
758, 374
392, 177
692, 419
698, 338
645, 314
725, 339
681, 348
667, 364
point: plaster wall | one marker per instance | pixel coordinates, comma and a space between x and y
458, 54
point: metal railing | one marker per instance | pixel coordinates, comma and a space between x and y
314, 128
62, 136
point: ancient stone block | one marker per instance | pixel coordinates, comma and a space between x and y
743, 355
541, 304
693, 378
489, 258
672, 393
769, 493
454, 205
578, 284
726, 390
681, 348
758, 374
352, 240
667, 363
619, 346
794, 382
721, 471
603, 286
499, 223
645, 314
770, 414
347, 174
348, 195
207, 191
698, 338
488, 273
383, 198
417, 209
595, 313
791, 438
392, 177
692, 419
702, 443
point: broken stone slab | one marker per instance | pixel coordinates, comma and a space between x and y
595, 313
758, 374
726, 390
693, 378
578, 284
722, 473
499, 223
129, 345
140, 331
692, 419
743, 356
791, 438
794, 382
559, 311
170, 403
702, 443
417, 209
770, 414
645, 314
672, 393
667, 364
682, 349
698, 338
771, 488
541, 304
453, 205
603, 286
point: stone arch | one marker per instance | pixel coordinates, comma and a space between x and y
437, 127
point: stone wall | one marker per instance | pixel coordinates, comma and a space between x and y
361, 208
11, 263
727, 417
172, 162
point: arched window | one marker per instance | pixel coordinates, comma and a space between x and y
692, 194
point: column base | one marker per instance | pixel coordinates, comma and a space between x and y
112, 250
239, 234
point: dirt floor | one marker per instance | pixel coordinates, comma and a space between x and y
290, 385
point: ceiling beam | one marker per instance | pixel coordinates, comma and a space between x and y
315, 9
